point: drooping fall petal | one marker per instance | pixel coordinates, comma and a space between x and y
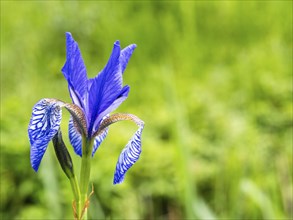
131, 152
44, 124
129, 155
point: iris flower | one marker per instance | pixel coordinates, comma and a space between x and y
92, 102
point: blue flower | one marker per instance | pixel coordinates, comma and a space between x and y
93, 100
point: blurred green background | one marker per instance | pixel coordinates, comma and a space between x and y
212, 81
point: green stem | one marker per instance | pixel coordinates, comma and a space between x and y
76, 193
85, 173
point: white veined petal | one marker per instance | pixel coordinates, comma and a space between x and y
129, 155
44, 123
99, 139
75, 137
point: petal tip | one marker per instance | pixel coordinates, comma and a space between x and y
69, 37
117, 43
118, 180
35, 167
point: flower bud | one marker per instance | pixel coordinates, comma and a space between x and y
63, 155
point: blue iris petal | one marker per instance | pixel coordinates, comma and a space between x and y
121, 97
75, 137
75, 72
98, 140
44, 124
129, 155
106, 87
125, 56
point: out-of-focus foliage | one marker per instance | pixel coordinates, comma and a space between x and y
211, 80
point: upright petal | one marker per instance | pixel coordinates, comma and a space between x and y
75, 72
121, 97
125, 56
105, 87
129, 155
44, 124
